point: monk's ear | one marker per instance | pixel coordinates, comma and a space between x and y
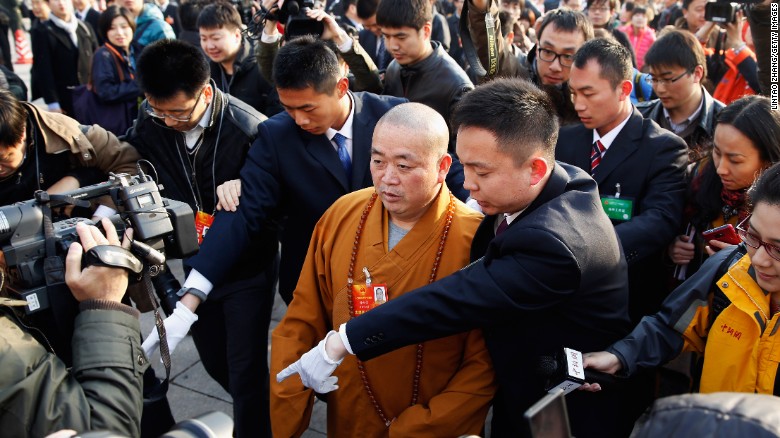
444, 167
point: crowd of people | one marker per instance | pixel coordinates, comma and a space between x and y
443, 192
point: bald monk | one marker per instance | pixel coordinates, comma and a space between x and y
410, 230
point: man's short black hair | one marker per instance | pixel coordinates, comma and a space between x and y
404, 13
676, 48
305, 62
611, 56
107, 18
13, 119
366, 8
219, 15
567, 20
516, 112
167, 67
686, 4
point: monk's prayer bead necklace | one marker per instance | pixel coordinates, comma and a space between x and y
431, 279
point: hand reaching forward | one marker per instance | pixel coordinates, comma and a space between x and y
315, 368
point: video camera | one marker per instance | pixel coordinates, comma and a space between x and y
724, 11
35, 246
244, 8
293, 14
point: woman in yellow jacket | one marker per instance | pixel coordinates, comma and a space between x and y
728, 311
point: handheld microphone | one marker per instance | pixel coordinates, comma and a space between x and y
566, 372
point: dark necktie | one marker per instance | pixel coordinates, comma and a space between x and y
346, 163
502, 226
595, 156
381, 54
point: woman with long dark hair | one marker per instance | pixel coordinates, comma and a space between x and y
113, 66
746, 141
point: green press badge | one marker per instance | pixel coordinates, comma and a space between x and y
619, 209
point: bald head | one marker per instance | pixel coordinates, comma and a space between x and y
420, 125
409, 161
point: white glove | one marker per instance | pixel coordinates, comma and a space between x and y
315, 369
176, 327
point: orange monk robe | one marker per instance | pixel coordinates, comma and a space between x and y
457, 382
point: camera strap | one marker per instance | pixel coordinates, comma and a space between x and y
165, 355
114, 257
492, 33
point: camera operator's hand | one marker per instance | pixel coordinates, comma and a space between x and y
176, 328
94, 282
734, 32
270, 25
332, 29
228, 194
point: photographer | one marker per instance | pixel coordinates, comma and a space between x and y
102, 390
32, 146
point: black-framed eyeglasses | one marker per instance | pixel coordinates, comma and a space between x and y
658, 81
163, 116
547, 55
754, 242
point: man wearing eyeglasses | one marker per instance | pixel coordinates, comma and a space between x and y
678, 67
548, 64
198, 138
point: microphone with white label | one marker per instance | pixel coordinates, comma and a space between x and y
566, 372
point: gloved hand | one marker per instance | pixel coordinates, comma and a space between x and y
315, 368
176, 327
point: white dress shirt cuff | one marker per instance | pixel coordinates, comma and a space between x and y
344, 339
347, 46
199, 282
270, 39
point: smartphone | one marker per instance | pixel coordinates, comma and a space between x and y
723, 233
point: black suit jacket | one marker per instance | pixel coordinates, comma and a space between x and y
556, 277
290, 178
649, 164
59, 64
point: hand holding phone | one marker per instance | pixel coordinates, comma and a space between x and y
723, 233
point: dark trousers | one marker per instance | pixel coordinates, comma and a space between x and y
231, 336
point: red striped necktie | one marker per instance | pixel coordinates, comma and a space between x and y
595, 155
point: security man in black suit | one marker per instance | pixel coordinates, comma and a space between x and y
640, 168
302, 161
548, 271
